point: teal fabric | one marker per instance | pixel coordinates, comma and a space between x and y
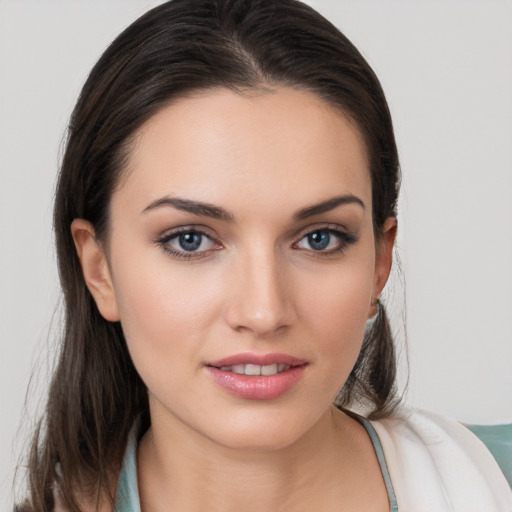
393, 505
498, 439
127, 493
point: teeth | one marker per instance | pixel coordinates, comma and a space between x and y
238, 368
256, 369
252, 369
270, 369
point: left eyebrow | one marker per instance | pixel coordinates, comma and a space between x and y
326, 206
194, 207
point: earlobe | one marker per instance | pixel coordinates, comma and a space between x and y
383, 259
95, 269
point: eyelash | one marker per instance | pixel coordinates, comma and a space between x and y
345, 240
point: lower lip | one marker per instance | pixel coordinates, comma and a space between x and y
259, 387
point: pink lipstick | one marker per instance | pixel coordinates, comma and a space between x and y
257, 376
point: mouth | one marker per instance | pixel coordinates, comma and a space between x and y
256, 376
271, 362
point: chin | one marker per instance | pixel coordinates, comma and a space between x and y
271, 431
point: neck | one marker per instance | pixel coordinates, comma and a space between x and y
181, 470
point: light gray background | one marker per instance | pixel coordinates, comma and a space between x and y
446, 68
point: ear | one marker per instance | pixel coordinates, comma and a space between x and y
383, 259
95, 269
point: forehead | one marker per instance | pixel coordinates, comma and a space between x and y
261, 145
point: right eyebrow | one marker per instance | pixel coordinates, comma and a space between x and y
328, 205
194, 207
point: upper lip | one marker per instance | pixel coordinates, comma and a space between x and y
259, 359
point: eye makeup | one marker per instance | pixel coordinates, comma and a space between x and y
193, 242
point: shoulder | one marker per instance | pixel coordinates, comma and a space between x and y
435, 463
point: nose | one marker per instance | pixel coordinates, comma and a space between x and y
261, 296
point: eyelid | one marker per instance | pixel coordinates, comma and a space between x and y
328, 226
196, 228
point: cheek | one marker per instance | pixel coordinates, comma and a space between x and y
336, 306
166, 310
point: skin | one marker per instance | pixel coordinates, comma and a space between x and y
256, 284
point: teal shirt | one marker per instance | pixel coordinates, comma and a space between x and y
127, 493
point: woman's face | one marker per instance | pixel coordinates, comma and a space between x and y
242, 262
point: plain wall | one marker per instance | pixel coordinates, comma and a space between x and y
446, 68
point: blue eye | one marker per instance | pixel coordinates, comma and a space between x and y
324, 240
187, 243
319, 240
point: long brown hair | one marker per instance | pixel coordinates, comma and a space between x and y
177, 48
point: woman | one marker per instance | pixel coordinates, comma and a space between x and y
225, 217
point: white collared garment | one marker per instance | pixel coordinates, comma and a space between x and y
438, 465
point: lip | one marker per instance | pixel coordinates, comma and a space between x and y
259, 387
261, 359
